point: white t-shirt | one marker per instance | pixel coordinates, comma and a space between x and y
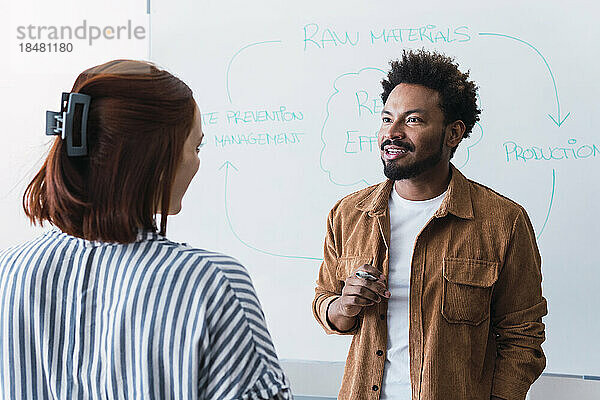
407, 218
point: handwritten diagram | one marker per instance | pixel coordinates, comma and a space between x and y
348, 132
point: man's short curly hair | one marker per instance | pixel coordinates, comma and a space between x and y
458, 95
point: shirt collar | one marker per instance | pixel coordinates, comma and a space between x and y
144, 235
457, 200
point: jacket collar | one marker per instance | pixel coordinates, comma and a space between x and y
457, 200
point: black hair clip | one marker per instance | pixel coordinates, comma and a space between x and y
71, 122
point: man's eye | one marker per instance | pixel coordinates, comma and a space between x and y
386, 120
413, 119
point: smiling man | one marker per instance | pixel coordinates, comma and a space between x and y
451, 306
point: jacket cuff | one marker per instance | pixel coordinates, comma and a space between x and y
329, 327
513, 389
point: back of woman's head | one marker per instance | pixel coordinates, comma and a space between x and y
139, 119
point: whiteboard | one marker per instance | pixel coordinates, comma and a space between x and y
290, 100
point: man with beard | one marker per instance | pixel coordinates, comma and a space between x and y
437, 277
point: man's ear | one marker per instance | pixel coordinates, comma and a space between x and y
454, 133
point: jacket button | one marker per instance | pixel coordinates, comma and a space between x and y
375, 387
379, 353
382, 317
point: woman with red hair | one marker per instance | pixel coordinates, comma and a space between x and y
104, 306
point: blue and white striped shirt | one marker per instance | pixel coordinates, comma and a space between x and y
151, 319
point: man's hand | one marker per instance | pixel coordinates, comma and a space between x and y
357, 294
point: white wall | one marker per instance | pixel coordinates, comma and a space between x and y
32, 82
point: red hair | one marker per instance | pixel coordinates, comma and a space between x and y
139, 119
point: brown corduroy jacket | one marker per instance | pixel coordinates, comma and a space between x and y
475, 302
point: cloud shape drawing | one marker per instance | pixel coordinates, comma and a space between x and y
349, 154
463, 152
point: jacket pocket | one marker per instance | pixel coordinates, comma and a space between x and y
467, 289
347, 265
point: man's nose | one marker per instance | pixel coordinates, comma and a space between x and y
394, 131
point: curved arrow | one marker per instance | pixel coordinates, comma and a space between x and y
558, 121
238, 53
228, 165
549, 206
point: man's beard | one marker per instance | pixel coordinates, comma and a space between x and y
397, 172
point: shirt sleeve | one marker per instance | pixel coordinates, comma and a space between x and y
241, 362
329, 287
517, 310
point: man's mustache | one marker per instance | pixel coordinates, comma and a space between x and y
398, 143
